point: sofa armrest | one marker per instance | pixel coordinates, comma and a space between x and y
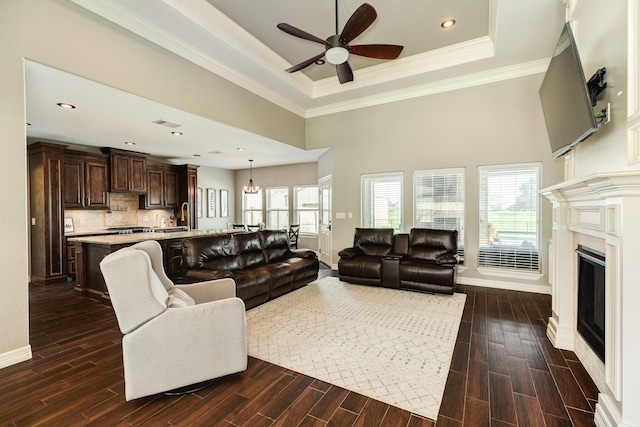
195, 275
349, 253
210, 290
303, 253
452, 259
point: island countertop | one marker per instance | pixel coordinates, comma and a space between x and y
120, 239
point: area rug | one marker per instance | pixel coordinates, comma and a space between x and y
390, 345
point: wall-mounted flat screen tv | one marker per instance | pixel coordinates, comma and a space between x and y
565, 98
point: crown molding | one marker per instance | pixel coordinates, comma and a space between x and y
123, 17
235, 38
476, 79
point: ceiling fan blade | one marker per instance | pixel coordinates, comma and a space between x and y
304, 64
290, 29
345, 74
380, 51
361, 19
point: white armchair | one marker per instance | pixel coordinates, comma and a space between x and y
174, 335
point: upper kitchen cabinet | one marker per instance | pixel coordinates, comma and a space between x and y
162, 187
86, 181
128, 171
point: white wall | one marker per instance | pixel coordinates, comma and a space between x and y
217, 179
492, 124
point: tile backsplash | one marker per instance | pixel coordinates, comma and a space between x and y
124, 211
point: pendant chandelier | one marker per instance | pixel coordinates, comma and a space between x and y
251, 188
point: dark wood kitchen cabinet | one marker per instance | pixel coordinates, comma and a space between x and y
86, 181
128, 170
162, 187
46, 208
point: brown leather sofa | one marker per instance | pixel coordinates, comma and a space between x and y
422, 260
261, 263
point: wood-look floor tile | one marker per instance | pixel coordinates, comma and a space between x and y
452, 405
548, 395
585, 382
501, 398
299, 409
328, 404
478, 380
528, 411
498, 361
479, 349
372, 414
569, 389
551, 354
521, 381
447, 422
342, 418
581, 418
460, 357
534, 355
476, 413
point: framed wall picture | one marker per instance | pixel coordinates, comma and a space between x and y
199, 202
211, 202
224, 203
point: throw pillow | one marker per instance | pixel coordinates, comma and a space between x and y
179, 299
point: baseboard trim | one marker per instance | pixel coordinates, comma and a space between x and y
512, 286
607, 413
15, 356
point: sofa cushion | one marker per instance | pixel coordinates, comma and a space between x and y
364, 266
431, 245
215, 252
252, 282
275, 245
248, 250
374, 241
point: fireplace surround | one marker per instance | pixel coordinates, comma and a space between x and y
591, 298
600, 211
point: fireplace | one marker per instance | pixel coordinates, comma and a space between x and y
591, 298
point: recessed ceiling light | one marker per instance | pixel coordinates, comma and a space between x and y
66, 105
196, 155
448, 23
240, 148
130, 143
176, 133
28, 124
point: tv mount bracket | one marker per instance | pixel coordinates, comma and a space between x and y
596, 85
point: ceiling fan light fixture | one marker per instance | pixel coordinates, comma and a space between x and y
337, 55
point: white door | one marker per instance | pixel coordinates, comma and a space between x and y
324, 238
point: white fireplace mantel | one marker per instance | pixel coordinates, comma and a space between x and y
602, 208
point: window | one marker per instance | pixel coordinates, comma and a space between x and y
438, 201
278, 208
252, 208
305, 208
382, 201
509, 219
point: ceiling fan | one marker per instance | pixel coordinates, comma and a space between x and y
337, 48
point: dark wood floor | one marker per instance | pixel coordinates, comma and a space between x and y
504, 372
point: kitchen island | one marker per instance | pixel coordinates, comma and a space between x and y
90, 250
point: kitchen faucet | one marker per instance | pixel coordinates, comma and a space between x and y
182, 214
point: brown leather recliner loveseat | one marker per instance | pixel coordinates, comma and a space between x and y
422, 260
261, 263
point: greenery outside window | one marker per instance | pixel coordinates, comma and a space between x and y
306, 208
381, 198
278, 208
509, 231
438, 201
